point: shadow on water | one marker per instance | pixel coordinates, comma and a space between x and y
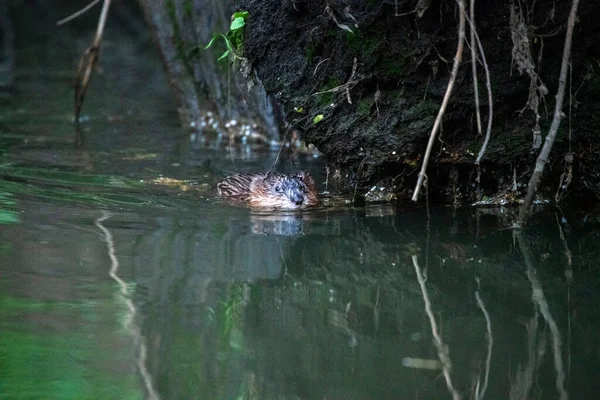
116, 284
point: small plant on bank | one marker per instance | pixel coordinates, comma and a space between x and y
234, 39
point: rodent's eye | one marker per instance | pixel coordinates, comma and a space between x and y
278, 189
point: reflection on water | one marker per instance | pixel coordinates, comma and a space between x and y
219, 302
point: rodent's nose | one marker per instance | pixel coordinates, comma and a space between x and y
298, 199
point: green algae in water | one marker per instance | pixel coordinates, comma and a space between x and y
57, 363
59, 177
61, 194
7, 215
72, 187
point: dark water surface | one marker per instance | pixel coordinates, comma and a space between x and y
112, 287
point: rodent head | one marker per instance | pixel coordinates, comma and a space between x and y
279, 191
290, 189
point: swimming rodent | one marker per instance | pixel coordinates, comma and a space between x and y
271, 190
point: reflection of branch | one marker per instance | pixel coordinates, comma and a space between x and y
569, 267
521, 385
442, 348
480, 392
130, 324
539, 299
569, 277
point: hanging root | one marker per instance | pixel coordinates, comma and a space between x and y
488, 85
352, 81
438, 120
474, 64
522, 57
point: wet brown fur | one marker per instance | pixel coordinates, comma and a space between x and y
257, 189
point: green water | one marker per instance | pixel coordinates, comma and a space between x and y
112, 287
203, 300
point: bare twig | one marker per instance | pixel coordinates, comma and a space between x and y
319, 64
78, 13
88, 61
287, 132
420, 8
438, 120
346, 86
474, 65
542, 158
442, 348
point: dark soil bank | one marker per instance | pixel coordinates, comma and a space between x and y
379, 89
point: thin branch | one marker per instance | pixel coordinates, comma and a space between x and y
319, 64
346, 86
287, 132
78, 13
438, 120
474, 65
542, 158
89, 60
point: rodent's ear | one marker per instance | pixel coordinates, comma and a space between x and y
303, 174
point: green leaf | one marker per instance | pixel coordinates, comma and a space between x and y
227, 43
211, 42
237, 23
318, 119
224, 55
240, 14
